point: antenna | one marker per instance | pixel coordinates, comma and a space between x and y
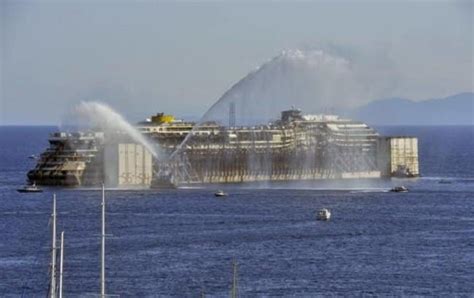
102, 267
52, 289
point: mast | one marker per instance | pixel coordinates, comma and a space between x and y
102, 269
233, 293
61, 262
52, 289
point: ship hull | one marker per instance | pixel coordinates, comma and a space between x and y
295, 148
62, 180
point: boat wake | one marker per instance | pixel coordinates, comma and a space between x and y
374, 190
441, 179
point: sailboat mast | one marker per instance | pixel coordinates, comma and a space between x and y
61, 262
234, 279
102, 269
53, 252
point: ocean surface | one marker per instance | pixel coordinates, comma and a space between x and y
182, 242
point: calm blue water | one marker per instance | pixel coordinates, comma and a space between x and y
182, 242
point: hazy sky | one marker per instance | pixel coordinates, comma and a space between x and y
142, 57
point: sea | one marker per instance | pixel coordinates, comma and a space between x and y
183, 242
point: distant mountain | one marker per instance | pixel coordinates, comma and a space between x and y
453, 110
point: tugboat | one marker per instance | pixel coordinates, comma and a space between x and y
220, 193
323, 214
30, 188
399, 189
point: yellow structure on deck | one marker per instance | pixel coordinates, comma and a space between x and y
162, 118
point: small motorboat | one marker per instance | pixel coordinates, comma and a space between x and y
323, 214
220, 193
30, 188
399, 189
32, 156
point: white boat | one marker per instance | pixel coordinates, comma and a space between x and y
323, 214
30, 188
220, 193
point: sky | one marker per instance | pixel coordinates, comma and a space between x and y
143, 57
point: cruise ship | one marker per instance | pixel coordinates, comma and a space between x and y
72, 159
297, 146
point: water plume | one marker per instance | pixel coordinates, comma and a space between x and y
313, 81
100, 117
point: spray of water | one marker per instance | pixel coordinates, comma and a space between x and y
313, 81
103, 118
